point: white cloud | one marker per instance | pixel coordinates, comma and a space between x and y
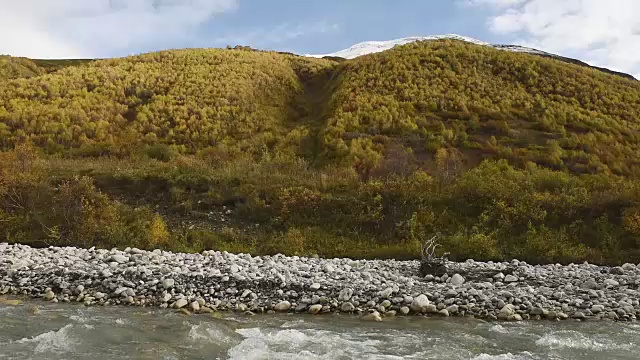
279, 34
90, 28
602, 32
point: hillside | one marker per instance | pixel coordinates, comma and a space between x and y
190, 98
504, 154
488, 104
16, 68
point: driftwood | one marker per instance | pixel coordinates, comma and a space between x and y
437, 265
430, 263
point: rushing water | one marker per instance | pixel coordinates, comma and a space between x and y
77, 332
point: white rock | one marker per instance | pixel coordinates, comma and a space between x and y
282, 306
328, 268
457, 280
168, 283
195, 306
611, 282
120, 259
314, 287
419, 303
49, 295
345, 294
180, 303
386, 293
510, 279
348, 307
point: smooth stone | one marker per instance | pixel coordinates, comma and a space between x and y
372, 316
315, 309
195, 306
314, 287
348, 307
168, 283
510, 279
419, 303
431, 309
180, 303
579, 315
120, 259
386, 293
49, 295
611, 282
514, 317
282, 306
457, 280
345, 294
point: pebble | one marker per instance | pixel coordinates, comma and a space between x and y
195, 306
419, 303
282, 306
180, 303
510, 279
457, 280
168, 283
49, 295
214, 281
314, 287
611, 282
348, 307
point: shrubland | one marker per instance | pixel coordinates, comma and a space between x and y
503, 155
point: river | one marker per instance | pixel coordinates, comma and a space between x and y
66, 331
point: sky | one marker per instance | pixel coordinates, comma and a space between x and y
600, 32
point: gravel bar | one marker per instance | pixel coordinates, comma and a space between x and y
220, 281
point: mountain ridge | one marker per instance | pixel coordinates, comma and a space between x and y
371, 47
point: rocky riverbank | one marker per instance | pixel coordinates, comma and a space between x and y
217, 281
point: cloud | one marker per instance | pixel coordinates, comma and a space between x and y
279, 34
94, 28
604, 33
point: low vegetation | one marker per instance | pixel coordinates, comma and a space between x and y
502, 155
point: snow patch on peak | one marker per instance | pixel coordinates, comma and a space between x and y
370, 47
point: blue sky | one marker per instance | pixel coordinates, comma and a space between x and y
326, 26
605, 33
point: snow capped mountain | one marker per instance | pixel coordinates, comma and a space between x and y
370, 47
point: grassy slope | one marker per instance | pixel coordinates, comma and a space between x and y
265, 152
489, 104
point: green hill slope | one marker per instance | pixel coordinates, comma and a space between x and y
503, 154
488, 104
16, 68
191, 98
